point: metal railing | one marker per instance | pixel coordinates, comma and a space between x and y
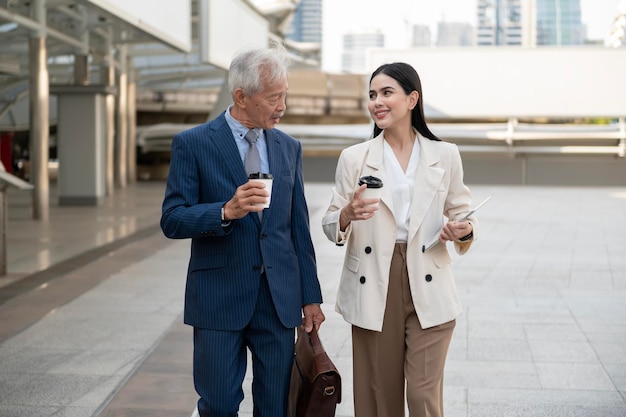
512, 137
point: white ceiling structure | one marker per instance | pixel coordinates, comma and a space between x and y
166, 41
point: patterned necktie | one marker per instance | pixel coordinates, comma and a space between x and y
252, 162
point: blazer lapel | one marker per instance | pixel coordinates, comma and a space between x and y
374, 166
427, 182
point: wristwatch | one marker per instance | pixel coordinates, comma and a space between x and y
467, 237
225, 223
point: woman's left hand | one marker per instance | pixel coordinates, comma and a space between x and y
454, 231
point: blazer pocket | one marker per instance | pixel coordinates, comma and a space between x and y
208, 262
352, 262
442, 258
284, 179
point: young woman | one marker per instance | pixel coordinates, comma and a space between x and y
399, 296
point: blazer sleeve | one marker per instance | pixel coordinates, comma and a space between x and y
458, 201
183, 215
342, 194
301, 232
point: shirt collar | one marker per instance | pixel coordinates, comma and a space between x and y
238, 129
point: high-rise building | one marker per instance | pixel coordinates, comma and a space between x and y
421, 36
454, 34
306, 24
559, 22
355, 46
529, 22
618, 27
499, 22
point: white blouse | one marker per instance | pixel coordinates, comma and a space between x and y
401, 184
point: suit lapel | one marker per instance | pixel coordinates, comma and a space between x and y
276, 162
427, 182
229, 151
273, 152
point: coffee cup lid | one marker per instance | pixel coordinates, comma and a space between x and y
372, 182
260, 176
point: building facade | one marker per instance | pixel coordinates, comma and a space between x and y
455, 34
559, 22
529, 23
499, 22
306, 24
618, 27
355, 46
421, 36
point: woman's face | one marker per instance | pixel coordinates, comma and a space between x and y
389, 105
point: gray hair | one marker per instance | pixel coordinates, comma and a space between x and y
250, 64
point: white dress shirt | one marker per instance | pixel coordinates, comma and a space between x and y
239, 133
401, 184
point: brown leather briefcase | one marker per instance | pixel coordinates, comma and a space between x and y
315, 382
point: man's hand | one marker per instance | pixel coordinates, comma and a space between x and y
313, 316
249, 197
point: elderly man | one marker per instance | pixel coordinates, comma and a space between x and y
252, 275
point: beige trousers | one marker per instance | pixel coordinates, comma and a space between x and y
402, 353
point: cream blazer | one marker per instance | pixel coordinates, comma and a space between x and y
439, 191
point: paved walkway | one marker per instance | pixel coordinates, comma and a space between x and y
90, 312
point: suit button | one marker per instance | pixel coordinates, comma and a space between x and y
362, 280
211, 233
423, 248
263, 235
429, 277
257, 267
368, 249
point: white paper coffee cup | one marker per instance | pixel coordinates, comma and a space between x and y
374, 187
371, 193
266, 179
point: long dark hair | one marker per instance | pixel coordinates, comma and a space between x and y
408, 79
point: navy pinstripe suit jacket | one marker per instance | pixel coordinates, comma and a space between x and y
224, 268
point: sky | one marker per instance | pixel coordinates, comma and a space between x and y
394, 16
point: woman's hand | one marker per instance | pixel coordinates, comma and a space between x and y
358, 208
454, 231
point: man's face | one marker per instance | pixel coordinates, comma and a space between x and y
265, 109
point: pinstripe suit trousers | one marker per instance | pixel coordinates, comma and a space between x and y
219, 363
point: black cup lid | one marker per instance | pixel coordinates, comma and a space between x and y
372, 182
260, 176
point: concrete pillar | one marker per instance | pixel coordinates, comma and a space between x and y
107, 78
81, 69
110, 144
121, 117
132, 124
82, 144
39, 114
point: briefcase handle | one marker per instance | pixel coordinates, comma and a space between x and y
316, 343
